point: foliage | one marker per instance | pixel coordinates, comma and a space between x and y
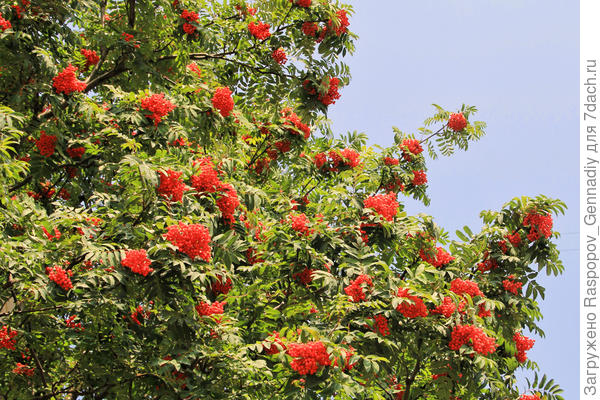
159, 244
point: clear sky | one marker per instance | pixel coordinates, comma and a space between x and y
517, 62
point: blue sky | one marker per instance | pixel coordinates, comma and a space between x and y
517, 62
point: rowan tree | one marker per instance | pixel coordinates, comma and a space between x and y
180, 221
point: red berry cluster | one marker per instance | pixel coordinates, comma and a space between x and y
332, 92
487, 265
461, 287
76, 152
22, 369
447, 307
457, 122
342, 17
419, 178
274, 344
223, 101
60, 277
305, 276
523, 344
70, 323
221, 285
51, 236
441, 258
206, 180
300, 223
139, 312
538, 223
308, 357
279, 56
290, 118
158, 106
355, 290
301, 3
383, 204
190, 17
259, 30
310, 28
512, 286
91, 57
4, 24
206, 309
171, 186
66, 82
195, 69
228, 202
380, 323
483, 312
529, 397
192, 239
46, 144
410, 147
137, 261
413, 308
514, 239
335, 160
347, 355
7, 338
390, 161
470, 334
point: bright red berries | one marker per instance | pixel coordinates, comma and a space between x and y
221, 285
190, 17
23, 369
308, 357
70, 323
413, 308
457, 122
300, 223
7, 338
301, 3
60, 277
158, 106
228, 202
206, 180
343, 23
171, 186
474, 336
206, 309
223, 101
355, 289
512, 286
523, 344
304, 276
419, 178
410, 146
259, 30
4, 24
279, 56
335, 160
51, 236
383, 204
310, 28
91, 57
192, 240
514, 239
332, 92
137, 261
439, 259
46, 144
539, 224
66, 81
380, 324
290, 118
461, 288
529, 397
274, 344
446, 309
195, 69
